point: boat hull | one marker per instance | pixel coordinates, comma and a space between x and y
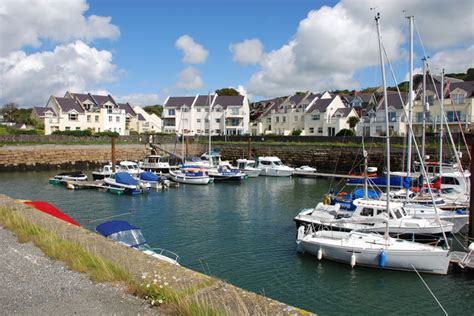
271, 172
252, 173
403, 260
180, 178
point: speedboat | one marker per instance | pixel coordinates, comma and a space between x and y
373, 250
306, 169
150, 179
125, 233
190, 176
125, 181
226, 173
248, 167
102, 173
71, 176
129, 167
273, 167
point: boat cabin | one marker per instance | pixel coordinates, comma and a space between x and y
269, 162
244, 163
366, 208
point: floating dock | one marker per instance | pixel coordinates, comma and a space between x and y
463, 259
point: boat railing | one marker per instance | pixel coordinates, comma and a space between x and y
166, 253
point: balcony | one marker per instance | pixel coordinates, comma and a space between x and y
234, 113
114, 111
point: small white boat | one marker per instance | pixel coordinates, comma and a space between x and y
191, 176
102, 173
307, 169
124, 180
273, 167
248, 167
131, 236
373, 250
71, 176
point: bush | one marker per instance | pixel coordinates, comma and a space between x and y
107, 133
15, 131
346, 132
296, 132
86, 132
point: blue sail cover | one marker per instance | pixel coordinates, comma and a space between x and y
112, 227
148, 176
395, 181
125, 178
359, 193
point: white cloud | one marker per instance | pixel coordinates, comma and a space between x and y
31, 79
247, 52
140, 99
28, 22
190, 79
332, 43
194, 53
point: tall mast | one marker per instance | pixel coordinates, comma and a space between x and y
441, 129
425, 109
387, 136
410, 99
210, 131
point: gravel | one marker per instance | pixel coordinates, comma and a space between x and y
31, 283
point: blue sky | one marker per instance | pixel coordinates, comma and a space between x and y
130, 48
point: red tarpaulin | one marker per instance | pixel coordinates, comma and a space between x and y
47, 208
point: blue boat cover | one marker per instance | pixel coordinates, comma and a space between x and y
125, 178
149, 176
111, 227
395, 181
359, 193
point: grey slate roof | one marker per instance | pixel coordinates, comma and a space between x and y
296, 99
467, 86
179, 101
68, 104
98, 100
140, 117
344, 111
128, 108
203, 100
393, 100
40, 111
320, 105
225, 100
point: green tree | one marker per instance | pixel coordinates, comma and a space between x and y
227, 91
353, 121
154, 109
301, 93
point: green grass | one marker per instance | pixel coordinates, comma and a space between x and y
77, 258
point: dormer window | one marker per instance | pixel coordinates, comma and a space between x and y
457, 98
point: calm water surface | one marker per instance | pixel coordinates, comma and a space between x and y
244, 234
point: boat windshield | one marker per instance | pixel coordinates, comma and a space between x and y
132, 238
251, 164
278, 163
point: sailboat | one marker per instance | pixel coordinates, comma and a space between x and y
372, 250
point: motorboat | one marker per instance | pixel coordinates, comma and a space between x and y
104, 172
399, 222
307, 169
248, 167
273, 167
150, 179
207, 160
155, 163
129, 167
191, 176
71, 176
373, 250
125, 233
124, 180
226, 173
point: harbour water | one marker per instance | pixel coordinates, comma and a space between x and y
244, 234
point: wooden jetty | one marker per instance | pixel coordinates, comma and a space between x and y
465, 260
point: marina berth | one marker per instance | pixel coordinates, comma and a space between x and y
271, 166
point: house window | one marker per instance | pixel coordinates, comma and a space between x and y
199, 120
457, 98
378, 129
315, 117
277, 119
171, 112
73, 117
311, 130
110, 118
78, 128
207, 131
206, 110
269, 119
185, 109
67, 128
218, 109
88, 118
218, 120
284, 119
296, 118
218, 131
392, 116
199, 109
97, 119
235, 111
430, 99
453, 116
206, 120
117, 119
419, 117
199, 131
320, 130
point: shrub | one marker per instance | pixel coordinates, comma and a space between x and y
15, 131
107, 133
345, 132
296, 132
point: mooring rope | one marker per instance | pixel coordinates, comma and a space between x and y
431, 292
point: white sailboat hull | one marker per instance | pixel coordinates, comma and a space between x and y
182, 178
426, 259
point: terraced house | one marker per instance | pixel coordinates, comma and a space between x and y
99, 113
202, 114
458, 107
